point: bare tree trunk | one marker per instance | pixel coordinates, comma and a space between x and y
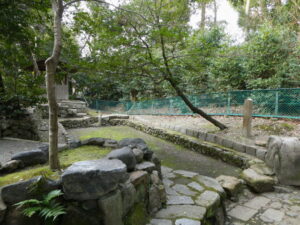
169, 78
247, 7
36, 69
203, 14
51, 65
215, 12
2, 89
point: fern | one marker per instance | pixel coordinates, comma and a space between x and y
47, 208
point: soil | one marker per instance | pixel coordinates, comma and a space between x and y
262, 128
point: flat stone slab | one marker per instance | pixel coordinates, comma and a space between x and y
146, 166
160, 222
257, 202
185, 173
208, 199
179, 200
186, 221
182, 189
196, 186
210, 183
258, 182
242, 213
175, 211
272, 215
92, 179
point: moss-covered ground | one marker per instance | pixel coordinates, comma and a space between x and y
171, 155
66, 157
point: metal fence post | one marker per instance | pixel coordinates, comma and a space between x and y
276, 102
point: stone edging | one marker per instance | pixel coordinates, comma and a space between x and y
227, 155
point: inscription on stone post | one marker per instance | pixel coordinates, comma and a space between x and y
247, 120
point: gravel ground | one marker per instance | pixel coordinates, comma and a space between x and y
262, 127
11, 146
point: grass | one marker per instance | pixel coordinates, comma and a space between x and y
66, 158
116, 133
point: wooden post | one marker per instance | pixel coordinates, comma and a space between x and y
248, 105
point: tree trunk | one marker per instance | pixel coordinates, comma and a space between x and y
215, 11
2, 89
133, 95
192, 107
169, 78
203, 14
247, 7
51, 65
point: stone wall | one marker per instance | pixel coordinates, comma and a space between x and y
115, 190
23, 128
67, 109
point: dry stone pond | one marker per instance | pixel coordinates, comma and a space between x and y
171, 155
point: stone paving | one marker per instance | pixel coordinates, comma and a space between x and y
191, 199
281, 207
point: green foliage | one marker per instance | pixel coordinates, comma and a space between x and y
48, 208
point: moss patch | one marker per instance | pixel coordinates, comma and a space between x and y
66, 158
138, 216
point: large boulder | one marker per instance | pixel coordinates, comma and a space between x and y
29, 158
284, 157
11, 166
24, 190
124, 154
87, 180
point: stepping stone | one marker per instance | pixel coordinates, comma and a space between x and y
168, 182
257, 202
231, 185
170, 191
259, 183
160, 222
182, 189
196, 186
185, 221
185, 173
242, 213
272, 215
210, 183
179, 200
208, 199
175, 211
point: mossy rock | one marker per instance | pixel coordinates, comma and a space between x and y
137, 216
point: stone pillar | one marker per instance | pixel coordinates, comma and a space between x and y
247, 120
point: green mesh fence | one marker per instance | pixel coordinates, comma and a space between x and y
284, 103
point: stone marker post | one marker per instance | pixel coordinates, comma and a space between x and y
248, 105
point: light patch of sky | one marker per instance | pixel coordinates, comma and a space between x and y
226, 13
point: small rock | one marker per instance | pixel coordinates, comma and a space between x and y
11, 166
128, 196
261, 143
188, 211
259, 183
211, 183
2, 209
94, 141
231, 185
124, 154
242, 213
139, 155
109, 143
138, 177
145, 166
155, 202
155, 178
